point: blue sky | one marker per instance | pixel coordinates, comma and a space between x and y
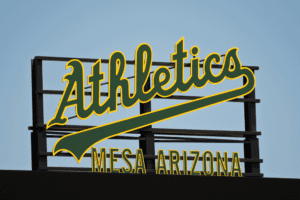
266, 33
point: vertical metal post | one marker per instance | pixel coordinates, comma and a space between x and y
147, 145
38, 136
251, 150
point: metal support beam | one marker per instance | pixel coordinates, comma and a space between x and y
147, 145
38, 139
251, 148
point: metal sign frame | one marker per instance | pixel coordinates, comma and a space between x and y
147, 136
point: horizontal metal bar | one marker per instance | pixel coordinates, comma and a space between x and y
172, 139
61, 134
86, 169
180, 97
162, 131
202, 141
50, 58
52, 132
253, 160
219, 133
185, 97
116, 137
54, 136
178, 140
72, 117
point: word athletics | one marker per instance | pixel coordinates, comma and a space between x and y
79, 143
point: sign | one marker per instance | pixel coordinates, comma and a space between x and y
174, 158
79, 143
